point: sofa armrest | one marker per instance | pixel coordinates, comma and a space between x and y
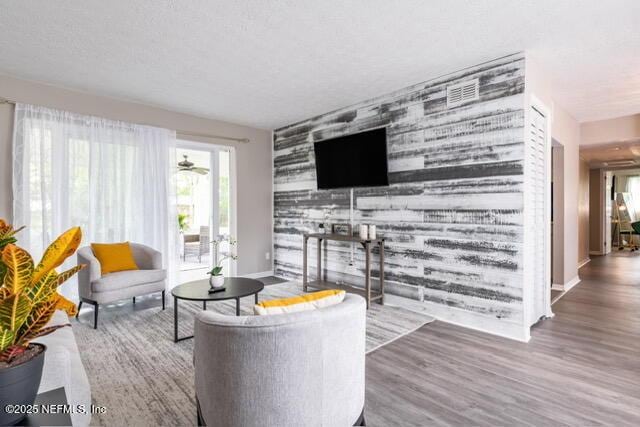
91, 272
63, 367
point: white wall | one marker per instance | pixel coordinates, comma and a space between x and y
253, 159
613, 130
596, 211
583, 213
566, 130
557, 242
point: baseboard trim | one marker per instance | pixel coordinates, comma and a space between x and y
564, 287
571, 283
583, 263
258, 275
596, 253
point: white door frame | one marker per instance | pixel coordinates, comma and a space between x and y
215, 148
532, 310
605, 179
537, 104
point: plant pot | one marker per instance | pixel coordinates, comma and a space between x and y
19, 386
216, 281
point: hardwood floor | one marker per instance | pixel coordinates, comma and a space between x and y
581, 368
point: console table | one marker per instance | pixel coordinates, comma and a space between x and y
321, 283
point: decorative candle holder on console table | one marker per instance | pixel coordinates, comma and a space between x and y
321, 283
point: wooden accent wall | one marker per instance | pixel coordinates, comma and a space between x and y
452, 214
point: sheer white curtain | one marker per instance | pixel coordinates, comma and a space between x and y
111, 178
633, 187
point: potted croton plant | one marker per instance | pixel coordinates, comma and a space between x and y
28, 300
216, 279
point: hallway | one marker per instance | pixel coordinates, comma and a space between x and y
580, 368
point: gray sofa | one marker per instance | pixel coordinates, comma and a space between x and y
96, 289
63, 368
298, 369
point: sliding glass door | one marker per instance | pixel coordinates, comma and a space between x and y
204, 207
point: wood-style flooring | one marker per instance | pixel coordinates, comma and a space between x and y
581, 368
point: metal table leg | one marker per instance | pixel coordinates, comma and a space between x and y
319, 262
175, 319
237, 306
382, 271
175, 322
304, 263
367, 273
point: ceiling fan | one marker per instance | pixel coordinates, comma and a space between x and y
187, 166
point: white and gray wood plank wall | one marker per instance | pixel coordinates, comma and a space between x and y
453, 213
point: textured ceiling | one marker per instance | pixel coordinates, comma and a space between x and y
611, 154
271, 63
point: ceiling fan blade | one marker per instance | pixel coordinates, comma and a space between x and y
201, 171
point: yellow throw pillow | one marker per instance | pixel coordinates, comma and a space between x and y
304, 302
114, 257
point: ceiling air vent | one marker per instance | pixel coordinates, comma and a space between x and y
463, 92
617, 163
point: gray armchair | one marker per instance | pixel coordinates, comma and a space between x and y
297, 369
197, 244
96, 289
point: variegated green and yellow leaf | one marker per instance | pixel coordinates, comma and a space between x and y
3, 271
11, 352
38, 292
4, 293
37, 319
19, 268
13, 311
7, 234
66, 275
6, 338
49, 284
48, 330
28, 294
4, 241
57, 252
67, 306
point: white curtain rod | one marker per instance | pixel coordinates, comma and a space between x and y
178, 132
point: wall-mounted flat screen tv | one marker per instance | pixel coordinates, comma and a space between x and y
356, 160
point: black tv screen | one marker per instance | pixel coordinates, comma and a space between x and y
356, 160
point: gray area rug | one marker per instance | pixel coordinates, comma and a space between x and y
142, 377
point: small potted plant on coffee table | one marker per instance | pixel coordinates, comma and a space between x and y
28, 300
216, 279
